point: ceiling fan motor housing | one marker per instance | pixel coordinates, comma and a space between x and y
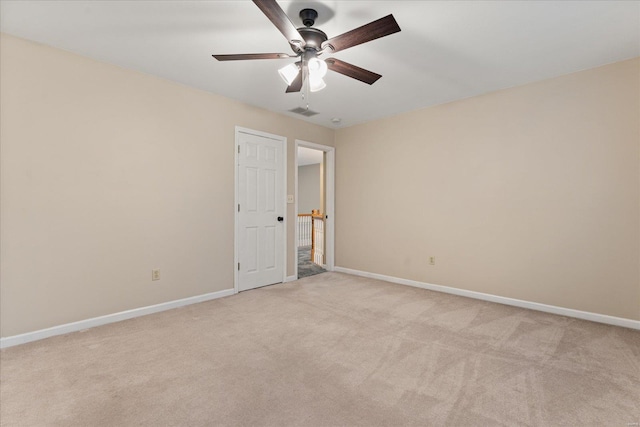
313, 37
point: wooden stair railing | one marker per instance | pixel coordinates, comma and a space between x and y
305, 232
317, 234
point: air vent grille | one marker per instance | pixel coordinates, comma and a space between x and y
303, 111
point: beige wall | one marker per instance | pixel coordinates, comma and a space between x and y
308, 188
107, 174
529, 193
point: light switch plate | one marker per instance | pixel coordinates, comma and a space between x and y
290, 198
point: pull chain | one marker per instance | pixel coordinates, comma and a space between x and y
305, 83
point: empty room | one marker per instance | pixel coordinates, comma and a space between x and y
319, 213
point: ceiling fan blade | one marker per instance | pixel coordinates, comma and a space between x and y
371, 31
352, 71
280, 19
296, 84
243, 56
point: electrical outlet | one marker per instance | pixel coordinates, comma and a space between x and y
432, 260
290, 198
155, 274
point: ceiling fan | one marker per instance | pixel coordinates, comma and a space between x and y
308, 43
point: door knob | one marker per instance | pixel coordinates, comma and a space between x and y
280, 219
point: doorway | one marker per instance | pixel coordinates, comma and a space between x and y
314, 201
260, 242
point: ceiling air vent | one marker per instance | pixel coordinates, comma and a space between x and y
304, 111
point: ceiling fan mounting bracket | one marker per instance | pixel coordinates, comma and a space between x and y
308, 17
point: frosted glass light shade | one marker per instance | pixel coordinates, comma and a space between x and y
316, 83
289, 73
317, 68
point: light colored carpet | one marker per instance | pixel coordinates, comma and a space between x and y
327, 350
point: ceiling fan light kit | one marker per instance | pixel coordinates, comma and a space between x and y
317, 67
316, 84
289, 73
308, 43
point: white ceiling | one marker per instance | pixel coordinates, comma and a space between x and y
309, 156
447, 50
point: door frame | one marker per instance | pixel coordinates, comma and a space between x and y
329, 202
236, 222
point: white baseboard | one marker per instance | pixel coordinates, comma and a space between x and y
569, 312
290, 279
109, 318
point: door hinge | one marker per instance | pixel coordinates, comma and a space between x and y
238, 149
238, 266
238, 207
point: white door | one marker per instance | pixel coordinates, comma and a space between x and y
261, 227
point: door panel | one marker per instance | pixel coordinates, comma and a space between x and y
270, 244
261, 164
251, 259
270, 190
252, 189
